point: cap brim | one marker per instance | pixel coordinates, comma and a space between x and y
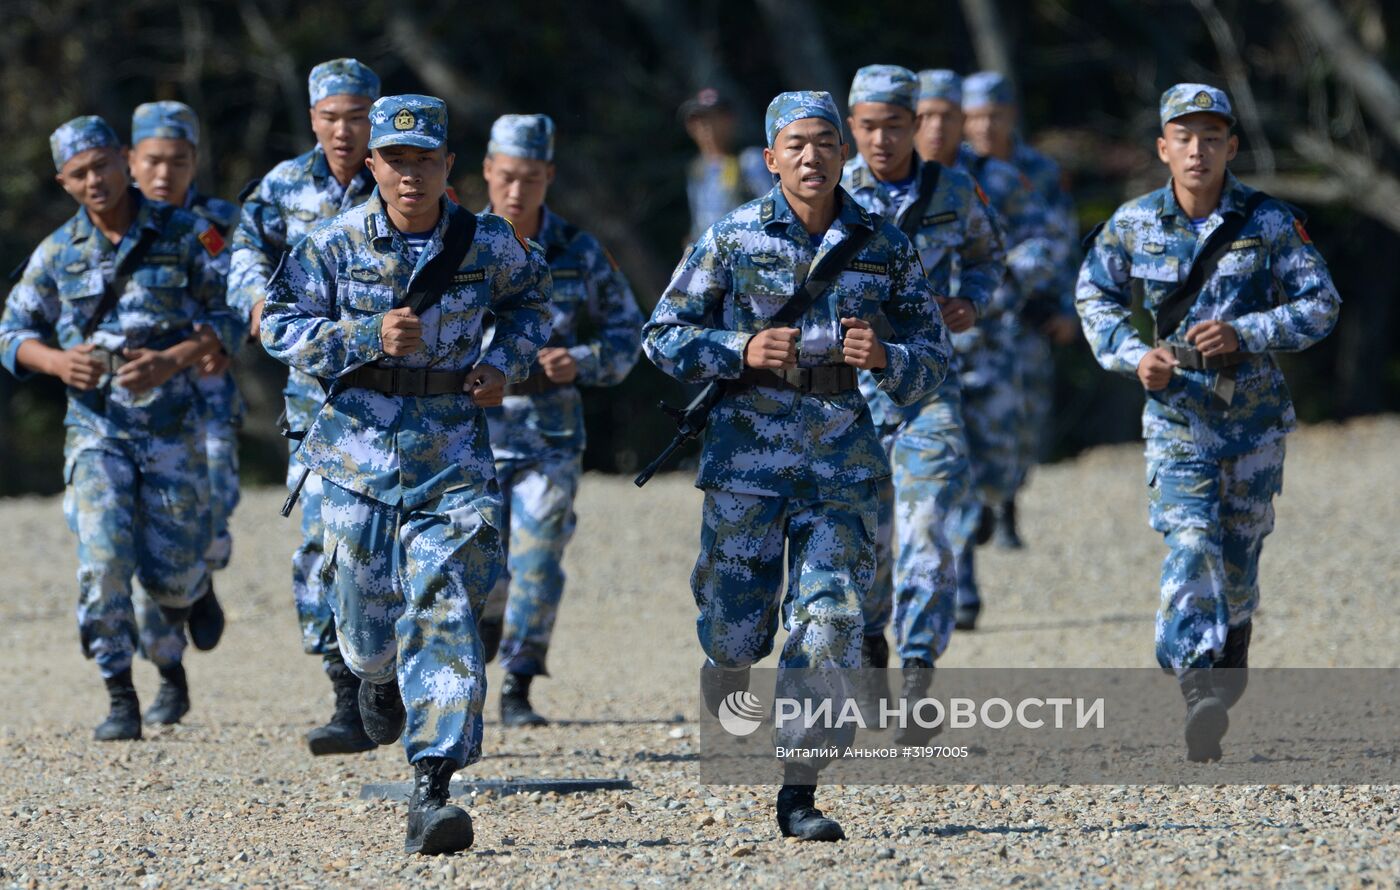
417, 140
1229, 119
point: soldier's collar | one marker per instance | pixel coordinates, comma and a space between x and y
81, 227
775, 210
861, 174
320, 167
378, 228
1232, 198
851, 213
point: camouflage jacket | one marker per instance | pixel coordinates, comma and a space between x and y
957, 235
219, 392
323, 316
1044, 174
594, 316
1271, 286
715, 187
178, 284
290, 201
776, 441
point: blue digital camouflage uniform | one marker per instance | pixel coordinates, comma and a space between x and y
926, 441
779, 466
411, 507
538, 438
715, 186
291, 200
988, 358
1212, 470
134, 464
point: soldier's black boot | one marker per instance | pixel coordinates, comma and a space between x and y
123, 721
345, 733
871, 687
717, 684
435, 826
490, 630
1207, 719
1230, 683
986, 526
965, 616
918, 676
173, 699
206, 621
798, 815
515, 702
1008, 537
381, 711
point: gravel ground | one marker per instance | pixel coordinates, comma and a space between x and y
232, 798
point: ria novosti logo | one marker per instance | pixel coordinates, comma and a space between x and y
741, 713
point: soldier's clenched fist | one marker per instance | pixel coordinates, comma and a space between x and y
401, 331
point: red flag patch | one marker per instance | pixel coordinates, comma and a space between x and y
212, 241
1302, 232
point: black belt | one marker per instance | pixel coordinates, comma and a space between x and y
1193, 359
112, 361
821, 380
406, 381
533, 385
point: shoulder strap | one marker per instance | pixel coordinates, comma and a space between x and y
433, 280
18, 272
821, 277
250, 187
112, 287
913, 215
1178, 303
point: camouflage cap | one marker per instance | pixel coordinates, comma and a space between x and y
164, 120
529, 136
987, 88
79, 135
940, 83
884, 83
342, 77
1193, 98
799, 105
415, 120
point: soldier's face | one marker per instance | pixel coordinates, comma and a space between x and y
989, 129
1197, 149
884, 135
516, 186
940, 130
163, 169
412, 182
807, 156
95, 178
341, 125
712, 132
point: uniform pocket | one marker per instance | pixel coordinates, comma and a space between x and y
365, 298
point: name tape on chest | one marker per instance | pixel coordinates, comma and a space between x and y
938, 219
565, 274
870, 268
469, 276
1246, 243
162, 259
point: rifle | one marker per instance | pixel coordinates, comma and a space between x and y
690, 423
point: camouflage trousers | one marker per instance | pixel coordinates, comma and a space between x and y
160, 641
1215, 515
538, 496
406, 587
136, 507
917, 579
314, 615
1037, 375
738, 579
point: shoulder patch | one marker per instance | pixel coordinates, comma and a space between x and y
1302, 232
211, 239
870, 268
765, 212
469, 276
939, 218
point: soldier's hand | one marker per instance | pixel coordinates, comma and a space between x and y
401, 331
487, 386
1155, 369
860, 347
1213, 338
145, 369
255, 320
214, 363
958, 314
1061, 330
558, 365
774, 348
77, 368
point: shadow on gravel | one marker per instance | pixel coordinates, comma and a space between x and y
1073, 624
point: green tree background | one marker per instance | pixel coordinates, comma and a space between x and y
1313, 80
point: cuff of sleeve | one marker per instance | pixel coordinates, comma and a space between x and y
733, 343
896, 360
366, 340
10, 359
499, 359
1133, 354
1251, 338
586, 356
